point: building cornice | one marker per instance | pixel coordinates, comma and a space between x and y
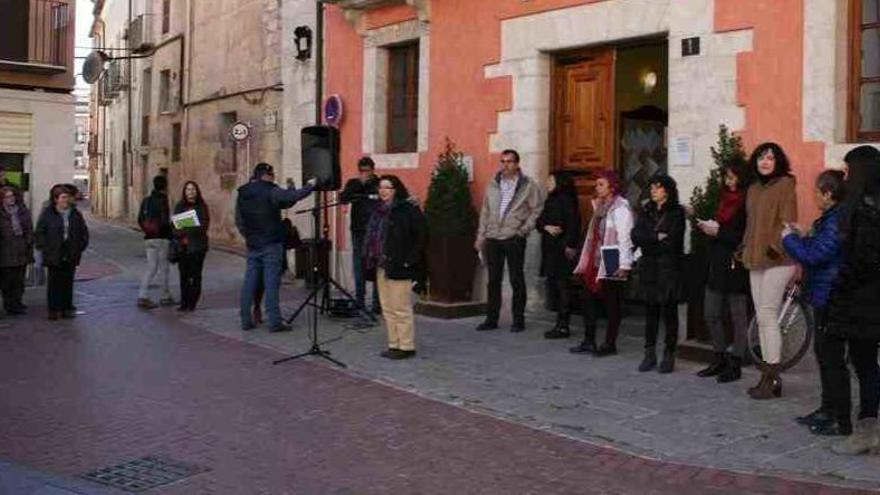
354, 10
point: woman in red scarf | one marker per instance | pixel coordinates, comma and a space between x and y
609, 229
728, 281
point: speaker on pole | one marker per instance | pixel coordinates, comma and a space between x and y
320, 157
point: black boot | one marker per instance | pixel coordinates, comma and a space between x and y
718, 364
588, 346
557, 333
668, 363
649, 362
732, 370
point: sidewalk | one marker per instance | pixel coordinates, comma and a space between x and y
473, 413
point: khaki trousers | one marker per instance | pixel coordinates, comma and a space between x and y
396, 299
768, 290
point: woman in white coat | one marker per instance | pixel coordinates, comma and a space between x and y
605, 262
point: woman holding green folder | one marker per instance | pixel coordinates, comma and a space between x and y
192, 237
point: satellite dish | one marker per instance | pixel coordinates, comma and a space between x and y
93, 67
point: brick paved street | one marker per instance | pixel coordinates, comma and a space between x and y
472, 414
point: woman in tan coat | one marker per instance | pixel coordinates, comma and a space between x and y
771, 203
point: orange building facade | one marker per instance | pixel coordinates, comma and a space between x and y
586, 85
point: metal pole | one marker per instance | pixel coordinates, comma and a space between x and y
319, 61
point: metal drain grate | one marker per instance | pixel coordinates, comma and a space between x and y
144, 473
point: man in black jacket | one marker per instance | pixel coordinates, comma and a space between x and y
363, 193
155, 221
258, 218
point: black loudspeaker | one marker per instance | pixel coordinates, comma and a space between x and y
320, 157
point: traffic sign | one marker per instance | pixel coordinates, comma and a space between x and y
240, 132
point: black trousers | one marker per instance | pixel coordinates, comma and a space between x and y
820, 341
670, 321
12, 286
562, 292
190, 266
59, 287
863, 355
610, 295
513, 251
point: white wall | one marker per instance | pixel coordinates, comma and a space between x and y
51, 158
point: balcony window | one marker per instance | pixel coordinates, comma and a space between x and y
34, 34
403, 98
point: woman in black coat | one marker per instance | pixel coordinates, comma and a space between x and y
16, 249
193, 242
394, 248
62, 236
659, 233
727, 285
853, 314
559, 225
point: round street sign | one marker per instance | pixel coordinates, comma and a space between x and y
240, 131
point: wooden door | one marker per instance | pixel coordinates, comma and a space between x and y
582, 122
583, 116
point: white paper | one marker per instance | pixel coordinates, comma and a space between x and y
681, 151
189, 218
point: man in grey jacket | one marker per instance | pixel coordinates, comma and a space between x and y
511, 205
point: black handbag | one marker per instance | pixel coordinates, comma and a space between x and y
175, 250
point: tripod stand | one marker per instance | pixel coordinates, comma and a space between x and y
322, 286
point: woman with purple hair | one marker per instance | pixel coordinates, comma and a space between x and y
608, 233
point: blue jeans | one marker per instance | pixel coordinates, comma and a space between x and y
360, 282
262, 264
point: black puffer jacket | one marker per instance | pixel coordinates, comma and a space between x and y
405, 239
561, 210
49, 237
660, 276
854, 307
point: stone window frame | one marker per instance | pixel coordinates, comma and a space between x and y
374, 138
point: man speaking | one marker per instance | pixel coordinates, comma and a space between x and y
258, 218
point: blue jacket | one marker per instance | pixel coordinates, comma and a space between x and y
820, 254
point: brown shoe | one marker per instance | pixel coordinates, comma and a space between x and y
54, 315
771, 388
146, 304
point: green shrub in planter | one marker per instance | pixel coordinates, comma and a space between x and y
452, 225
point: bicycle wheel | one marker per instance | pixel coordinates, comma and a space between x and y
796, 326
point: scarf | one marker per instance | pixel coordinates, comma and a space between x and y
377, 228
65, 215
730, 204
595, 236
12, 211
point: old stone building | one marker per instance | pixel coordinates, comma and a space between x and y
36, 101
201, 67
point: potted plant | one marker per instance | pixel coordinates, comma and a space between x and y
452, 225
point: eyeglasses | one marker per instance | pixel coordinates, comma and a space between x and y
508, 161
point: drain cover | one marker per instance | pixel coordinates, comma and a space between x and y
144, 473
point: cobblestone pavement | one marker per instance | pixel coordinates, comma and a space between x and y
474, 413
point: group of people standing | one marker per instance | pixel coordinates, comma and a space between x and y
755, 248
165, 244
59, 238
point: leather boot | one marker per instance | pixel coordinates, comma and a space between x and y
718, 364
588, 346
732, 370
668, 363
649, 362
771, 387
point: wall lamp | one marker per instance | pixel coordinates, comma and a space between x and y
302, 38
